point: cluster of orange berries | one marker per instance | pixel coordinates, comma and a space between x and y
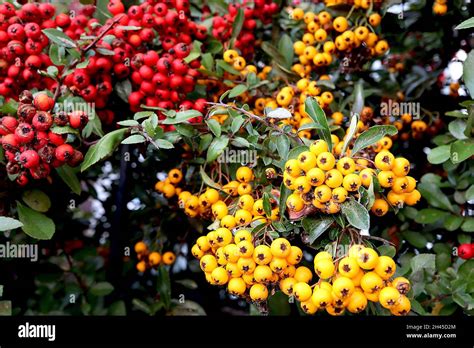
247, 269
293, 98
326, 36
147, 259
319, 180
349, 283
169, 187
231, 211
440, 7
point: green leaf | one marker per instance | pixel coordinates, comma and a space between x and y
56, 54
37, 200
439, 154
35, 224
103, 148
164, 144
7, 224
309, 125
207, 180
238, 23
356, 214
139, 115
429, 216
5, 308
435, 196
284, 193
468, 73
58, 37
216, 147
371, 136
236, 124
240, 142
68, 175
226, 67
285, 47
468, 225
64, 130
164, 286
416, 239
214, 126
187, 283
101, 289
142, 306
267, 207
237, 90
318, 116
387, 250
128, 123
423, 261
123, 89
117, 308
457, 129
461, 150
315, 227
468, 23
351, 133
182, 116
283, 145
134, 139
453, 222
358, 99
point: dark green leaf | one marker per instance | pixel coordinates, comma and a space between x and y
237, 90
101, 289
371, 136
103, 148
134, 139
318, 116
67, 174
35, 224
315, 227
58, 37
356, 214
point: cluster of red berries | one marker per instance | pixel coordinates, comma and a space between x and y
23, 44
31, 147
159, 80
262, 10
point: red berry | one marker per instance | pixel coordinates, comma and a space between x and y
466, 251
8, 125
22, 179
25, 133
10, 142
43, 102
78, 119
64, 152
42, 121
29, 159
56, 139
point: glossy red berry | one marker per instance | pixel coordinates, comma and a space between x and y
56, 139
43, 102
42, 121
8, 125
10, 142
466, 251
25, 133
29, 159
78, 119
64, 152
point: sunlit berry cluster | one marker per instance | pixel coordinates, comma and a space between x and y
32, 144
320, 180
249, 270
350, 283
327, 38
148, 259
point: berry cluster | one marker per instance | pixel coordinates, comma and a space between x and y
254, 11
321, 181
349, 283
149, 259
247, 269
326, 37
22, 44
294, 98
31, 145
440, 7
